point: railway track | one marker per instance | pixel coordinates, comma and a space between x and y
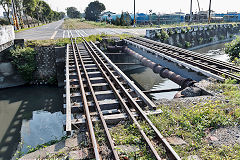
204, 62
96, 90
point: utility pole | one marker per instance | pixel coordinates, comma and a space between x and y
198, 6
15, 18
150, 14
134, 20
190, 16
209, 12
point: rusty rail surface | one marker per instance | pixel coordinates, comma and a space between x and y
95, 86
204, 62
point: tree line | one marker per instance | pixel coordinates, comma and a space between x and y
38, 10
93, 11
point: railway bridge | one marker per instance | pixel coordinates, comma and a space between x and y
98, 91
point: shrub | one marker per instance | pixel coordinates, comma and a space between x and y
187, 44
24, 60
222, 37
164, 35
211, 39
4, 22
200, 40
188, 28
183, 30
233, 48
170, 32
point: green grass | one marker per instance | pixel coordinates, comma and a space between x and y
64, 41
41, 146
24, 29
128, 134
191, 122
80, 23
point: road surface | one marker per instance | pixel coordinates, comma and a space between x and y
40, 33
55, 31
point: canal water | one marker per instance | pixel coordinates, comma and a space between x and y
146, 79
29, 115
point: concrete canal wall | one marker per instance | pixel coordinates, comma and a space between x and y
192, 36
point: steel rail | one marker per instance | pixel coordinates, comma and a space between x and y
86, 107
110, 141
198, 56
130, 83
202, 65
121, 100
68, 99
167, 146
181, 57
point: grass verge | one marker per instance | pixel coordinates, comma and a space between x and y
24, 29
83, 24
64, 41
193, 122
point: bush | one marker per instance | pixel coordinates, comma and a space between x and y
200, 40
211, 39
222, 37
163, 35
24, 60
4, 22
233, 48
187, 44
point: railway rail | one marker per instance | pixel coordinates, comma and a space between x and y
95, 87
204, 62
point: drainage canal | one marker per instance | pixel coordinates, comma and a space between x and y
29, 116
147, 80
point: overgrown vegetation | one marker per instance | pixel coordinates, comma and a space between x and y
72, 12
24, 60
192, 122
233, 49
64, 41
128, 134
38, 10
41, 146
163, 35
187, 44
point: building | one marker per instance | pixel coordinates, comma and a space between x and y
171, 18
229, 17
106, 16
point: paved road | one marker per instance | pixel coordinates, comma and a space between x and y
54, 31
88, 32
40, 33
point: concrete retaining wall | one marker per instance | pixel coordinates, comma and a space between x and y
187, 37
50, 64
7, 37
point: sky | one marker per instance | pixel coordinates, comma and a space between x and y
143, 6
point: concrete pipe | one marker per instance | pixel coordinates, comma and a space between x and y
162, 71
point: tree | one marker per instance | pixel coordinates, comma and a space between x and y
29, 7
73, 13
117, 22
93, 10
6, 6
46, 11
19, 10
62, 15
233, 49
125, 19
